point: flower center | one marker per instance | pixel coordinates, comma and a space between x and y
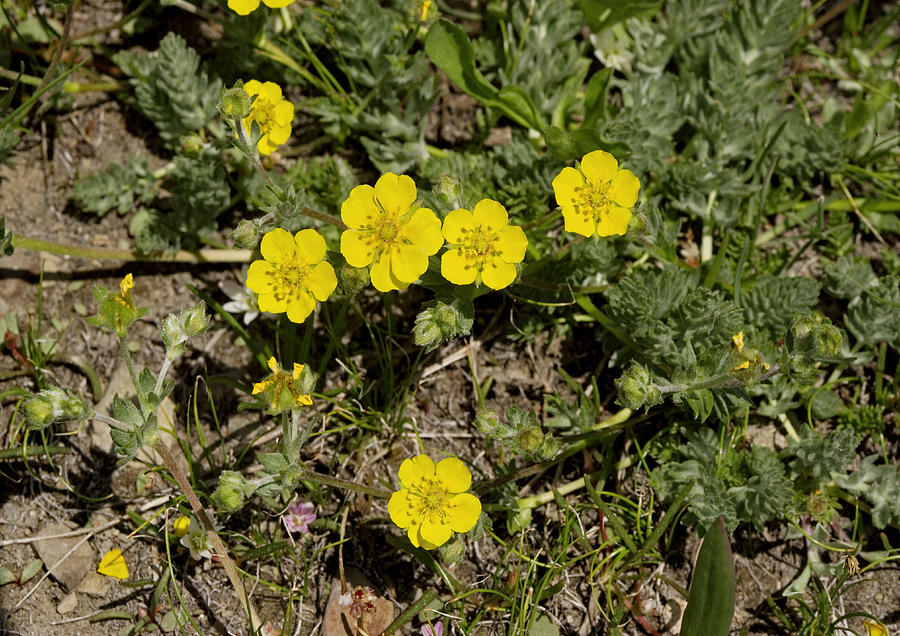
478, 244
432, 498
289, 280
387, 232
263, 111
592, 199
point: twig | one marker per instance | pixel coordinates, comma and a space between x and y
73, 533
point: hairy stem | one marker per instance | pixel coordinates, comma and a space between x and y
110, 254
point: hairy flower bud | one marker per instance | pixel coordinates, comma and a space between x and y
232, 491
438, 324
55, 405
176, 330
353, 279
453, 551
234, 102
246, 234
192, 145
815, 335
488, 422
637, 389
450, 189
529, 439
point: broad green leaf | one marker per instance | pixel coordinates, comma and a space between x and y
595, 97
710, 605
30, 570
601, 14
6, 576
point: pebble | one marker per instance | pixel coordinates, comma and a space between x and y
74, 568
68, 603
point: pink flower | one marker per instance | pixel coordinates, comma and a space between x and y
437, 630
298, 515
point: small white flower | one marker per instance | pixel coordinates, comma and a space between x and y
197, 540
612, 51
242, 299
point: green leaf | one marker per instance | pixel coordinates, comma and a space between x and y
6, 238
30, 570
118, 187
6, 576
595, 97
449, 48
873, 318
710, 605
543, 626
602, 14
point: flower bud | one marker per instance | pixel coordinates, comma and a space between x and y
232, 491
192, 145
291, 476
815, 335
488, 422
234, 102
529, 439
817, 504
637, 389
353, 279
55, 405
453, 551
196, 320
245, 235
438, 324
450, 189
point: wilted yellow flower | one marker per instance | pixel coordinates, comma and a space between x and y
293, 275
387, 231
433, 503
245, 7
285, 391
738, 341
181, 526
113, 564
875, 629
482, 246
596, 199
271, 112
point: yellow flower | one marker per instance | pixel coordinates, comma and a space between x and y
181, 525
738, 340
389, 232
875, 629
596, 199
271, 112
482, 246
113, 564
432, 503
245, 7
293, 275
285, 391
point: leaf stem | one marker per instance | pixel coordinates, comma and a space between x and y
105, 253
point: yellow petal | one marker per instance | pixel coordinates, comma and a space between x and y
277, 246
243, 7
408, 262
359, 210
413, 533
259, 276
380, 275
458, 269
277, 4
491, 215
614, 222
357, 248
424, 230
496, 274
565, 186
113, 564
875, 629
454, 224
126, 285
512, 243
321, 280
310, 246
415, 469
464, 512
599, 166
624, 188
284, 113
399, 509
453, 474
181, 525
433, 534
265, 146
269, 303
253, 87
300, 307
277, 134
396, 193
271, 92
578, 223
272, 364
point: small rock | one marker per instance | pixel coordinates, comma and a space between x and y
94, 584
68, 603
75, 566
